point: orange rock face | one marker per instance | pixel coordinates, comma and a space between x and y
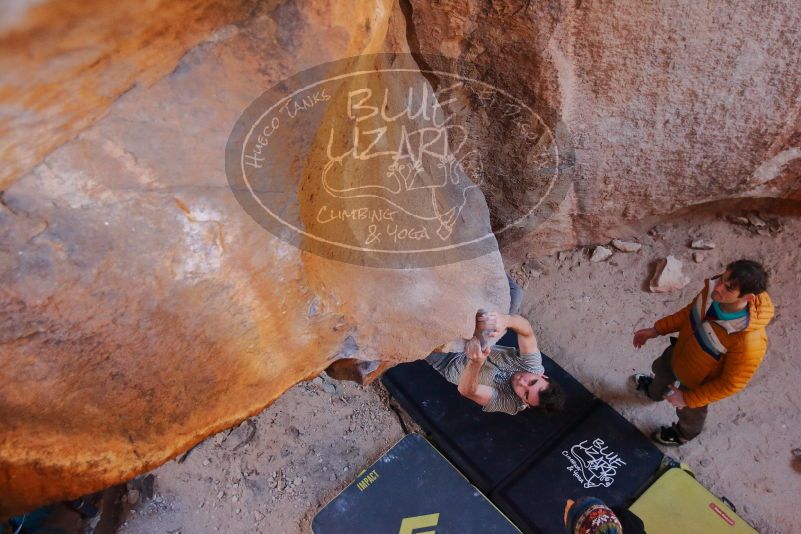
141, 308
63, 63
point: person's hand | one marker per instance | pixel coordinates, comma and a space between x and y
487, 321
498, 322
641, 336
675, 397
496, 325
486, 327
474, 352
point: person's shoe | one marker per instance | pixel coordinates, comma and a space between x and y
668, 436
641, 382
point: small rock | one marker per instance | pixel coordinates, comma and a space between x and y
158, 498
702, 244
258, 515
698, 257
705, 462
562, 255
739, 220
281, 484
329, 387
754, 219
298, 481
220, 495
626, 246
133, 496
206, 462
240, 436
238, 510
535, 268
668, 276
234, 498
600, 254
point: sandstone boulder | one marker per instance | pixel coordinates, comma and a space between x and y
142, 309
64, 63
664, 108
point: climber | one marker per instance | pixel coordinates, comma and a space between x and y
501, 379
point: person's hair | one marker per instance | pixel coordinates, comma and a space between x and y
749, 276
552, 398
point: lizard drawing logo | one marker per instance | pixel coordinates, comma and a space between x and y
427, 175
593, 464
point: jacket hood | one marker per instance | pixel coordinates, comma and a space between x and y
760, 312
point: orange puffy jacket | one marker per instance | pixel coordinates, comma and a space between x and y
706, 378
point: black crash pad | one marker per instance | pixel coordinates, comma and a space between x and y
411, 489
604, 456
487, 447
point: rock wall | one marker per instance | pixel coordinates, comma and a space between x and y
64, 63
668, 104
141, 309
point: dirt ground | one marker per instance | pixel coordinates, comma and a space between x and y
274, 472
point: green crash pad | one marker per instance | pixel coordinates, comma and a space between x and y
677, 502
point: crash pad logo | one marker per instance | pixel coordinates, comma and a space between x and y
593, 464
411, 525
377, 161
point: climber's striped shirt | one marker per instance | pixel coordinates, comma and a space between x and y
496, 373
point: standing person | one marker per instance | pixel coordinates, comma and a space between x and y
721, 342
